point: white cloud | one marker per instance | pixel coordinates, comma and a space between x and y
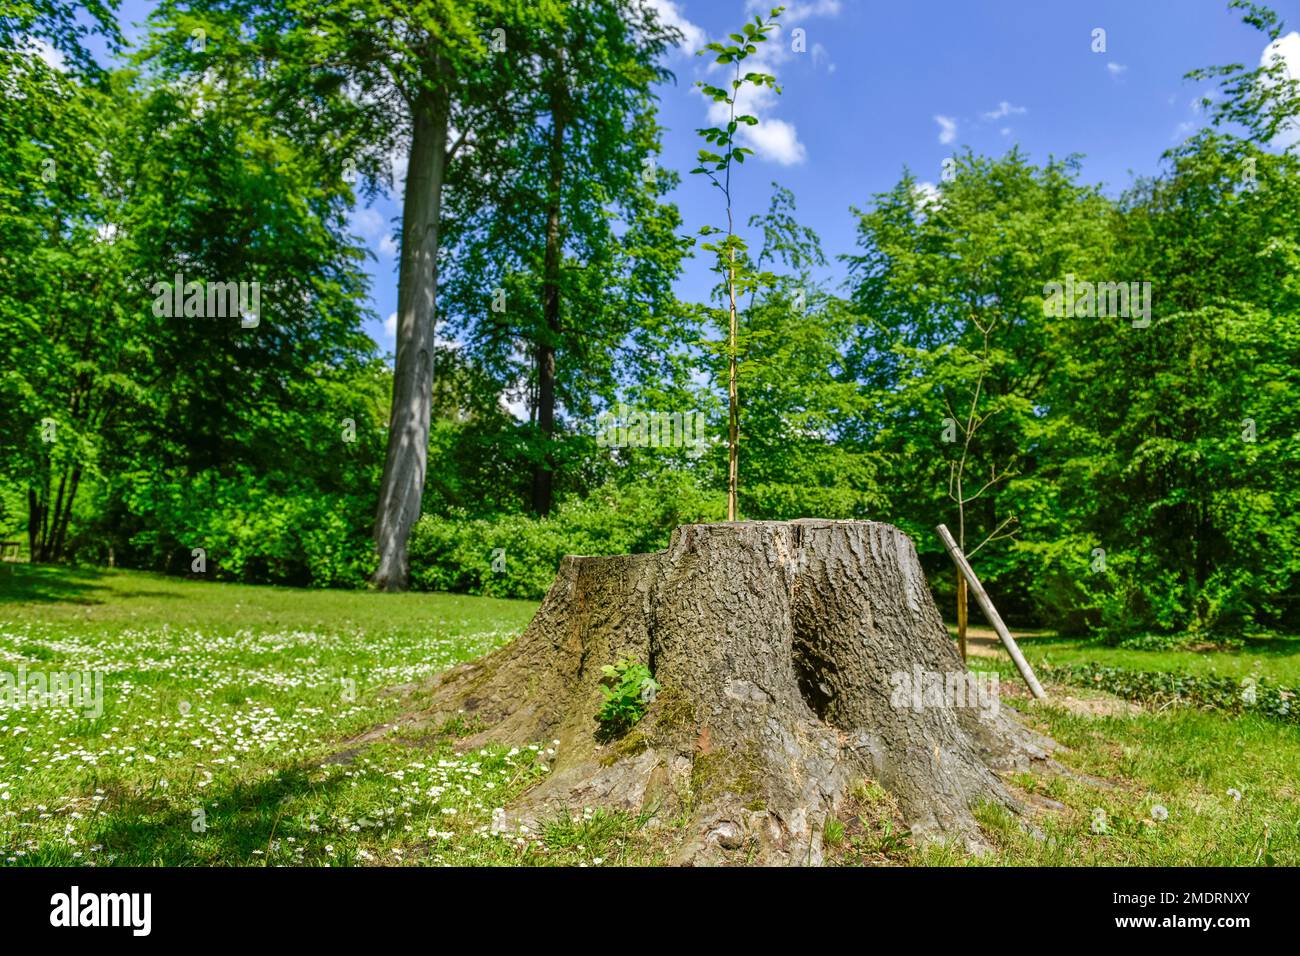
516, 406
670, 14
947, 129
1196, 106
927, 194
1286, 49
772, 139
368, 222
1116, 69
390, 326
796, 12
776, 140
52, 57
1004, 109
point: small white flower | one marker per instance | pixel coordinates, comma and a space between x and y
1158, 813
1235, 794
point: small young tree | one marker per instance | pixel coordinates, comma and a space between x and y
958, 356
967, 425
738, 275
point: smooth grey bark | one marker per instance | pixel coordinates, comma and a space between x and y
777, 646
406, 459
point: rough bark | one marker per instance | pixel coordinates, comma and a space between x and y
34, 515
406, 459
543, 471
61, 533
777, 647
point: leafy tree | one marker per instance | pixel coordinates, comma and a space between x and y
120, 185
63, 25
1189, 425
61, 315
954, 350
1265, 99
562, 257
361, 79
805, 416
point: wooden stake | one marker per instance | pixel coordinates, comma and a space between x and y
990, 612
961, 614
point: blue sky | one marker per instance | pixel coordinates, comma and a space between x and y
905, 83
866, 100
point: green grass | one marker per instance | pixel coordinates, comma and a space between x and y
228, 713
108, 600
221, 704
1228, 788
1277, 657
1228, 785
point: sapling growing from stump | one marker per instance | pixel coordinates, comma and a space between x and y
715, 162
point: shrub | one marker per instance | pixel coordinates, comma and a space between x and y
518, 555
249, 530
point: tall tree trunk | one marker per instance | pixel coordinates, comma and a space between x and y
61, 524
38, 521
48, 546
544, 470
33, 525
408, 425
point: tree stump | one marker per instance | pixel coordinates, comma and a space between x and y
794, 658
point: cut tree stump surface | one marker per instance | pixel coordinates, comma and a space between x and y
784, 651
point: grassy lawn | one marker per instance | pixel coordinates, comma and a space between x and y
221, 703
227, 713
1277, 658
1228, 788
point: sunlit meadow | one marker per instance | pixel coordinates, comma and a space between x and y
232, 714
227, 712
